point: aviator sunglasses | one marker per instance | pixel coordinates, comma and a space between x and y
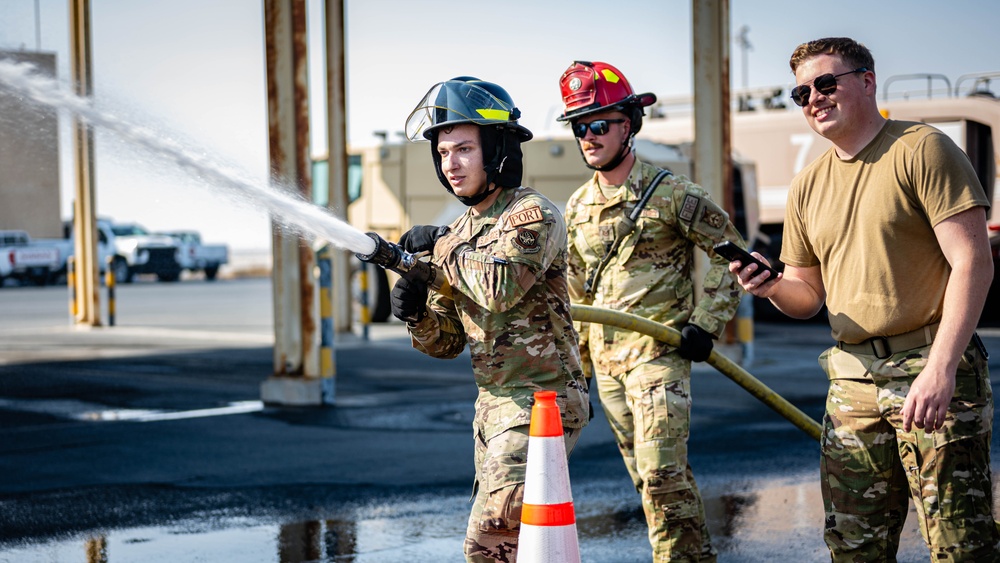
825, 84
597, 127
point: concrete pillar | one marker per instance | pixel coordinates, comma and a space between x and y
336, 114
298, 375
712, 147
88, 311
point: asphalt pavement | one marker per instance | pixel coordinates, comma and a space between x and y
107, 431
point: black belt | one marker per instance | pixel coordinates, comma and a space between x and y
884, 346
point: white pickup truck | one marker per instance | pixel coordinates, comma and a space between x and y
138, 251
195, 256
129, 248
25, 260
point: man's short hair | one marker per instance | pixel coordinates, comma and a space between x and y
855, 54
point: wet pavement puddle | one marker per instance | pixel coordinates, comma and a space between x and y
769, 520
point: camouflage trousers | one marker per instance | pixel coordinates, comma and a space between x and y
649, 409
870, 466
495, 521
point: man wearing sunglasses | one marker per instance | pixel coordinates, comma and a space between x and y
888, 228
633, 229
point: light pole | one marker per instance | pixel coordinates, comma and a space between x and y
745, 46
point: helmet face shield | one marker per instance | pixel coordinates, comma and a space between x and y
460, 101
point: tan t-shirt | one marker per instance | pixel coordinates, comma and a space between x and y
869, 223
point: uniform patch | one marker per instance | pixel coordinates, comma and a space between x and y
524, 217
526, 240
713, 219
488, 238
650, 213
688, 208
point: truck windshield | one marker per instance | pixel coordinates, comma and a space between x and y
128, 230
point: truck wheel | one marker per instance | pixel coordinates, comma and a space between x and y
380, 307
211, 272
39, 277
168, 276
57, 277
991, 311
123, 274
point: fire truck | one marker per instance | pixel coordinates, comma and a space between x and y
769, 130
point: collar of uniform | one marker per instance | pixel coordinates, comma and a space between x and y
470, 225
634, 182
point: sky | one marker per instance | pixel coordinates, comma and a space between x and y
193, 70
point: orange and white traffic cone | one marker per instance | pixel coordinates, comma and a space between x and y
548, 521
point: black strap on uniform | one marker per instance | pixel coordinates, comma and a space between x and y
623, 229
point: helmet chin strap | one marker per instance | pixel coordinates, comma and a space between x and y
478, 198
503, 170
492, 171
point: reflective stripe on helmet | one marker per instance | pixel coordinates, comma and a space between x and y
610, 75
494, 114
592, 87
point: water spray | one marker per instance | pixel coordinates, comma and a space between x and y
287, 207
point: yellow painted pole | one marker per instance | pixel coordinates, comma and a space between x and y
71, 282
366, 317
88, 308
744, 328
109, 281
323, 260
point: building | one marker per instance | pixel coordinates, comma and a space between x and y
29, 156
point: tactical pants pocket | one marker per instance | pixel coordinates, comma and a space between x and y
502, 510
970, 412
501, 482
663, 406
952, 488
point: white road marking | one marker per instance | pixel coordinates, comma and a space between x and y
90, 412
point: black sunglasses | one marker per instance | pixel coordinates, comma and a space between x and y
597, 127
825, 84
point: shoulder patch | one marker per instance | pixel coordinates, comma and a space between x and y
652, 213
714, 219
527, 240
524, 217
688, 207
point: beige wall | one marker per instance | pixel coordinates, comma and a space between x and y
400, 188
29, 158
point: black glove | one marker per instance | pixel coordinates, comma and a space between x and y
409, 300
696, 343
421, 238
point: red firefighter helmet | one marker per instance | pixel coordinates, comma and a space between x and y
591, 87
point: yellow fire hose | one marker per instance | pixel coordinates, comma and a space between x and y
663, 333
727, 367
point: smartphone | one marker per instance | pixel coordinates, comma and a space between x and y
731, 252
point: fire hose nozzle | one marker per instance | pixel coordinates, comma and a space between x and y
386, 254
393, 257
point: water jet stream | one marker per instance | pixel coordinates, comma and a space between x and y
287, 207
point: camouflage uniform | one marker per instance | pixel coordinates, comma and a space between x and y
509, 303
878, 465
862, 223
644, 384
